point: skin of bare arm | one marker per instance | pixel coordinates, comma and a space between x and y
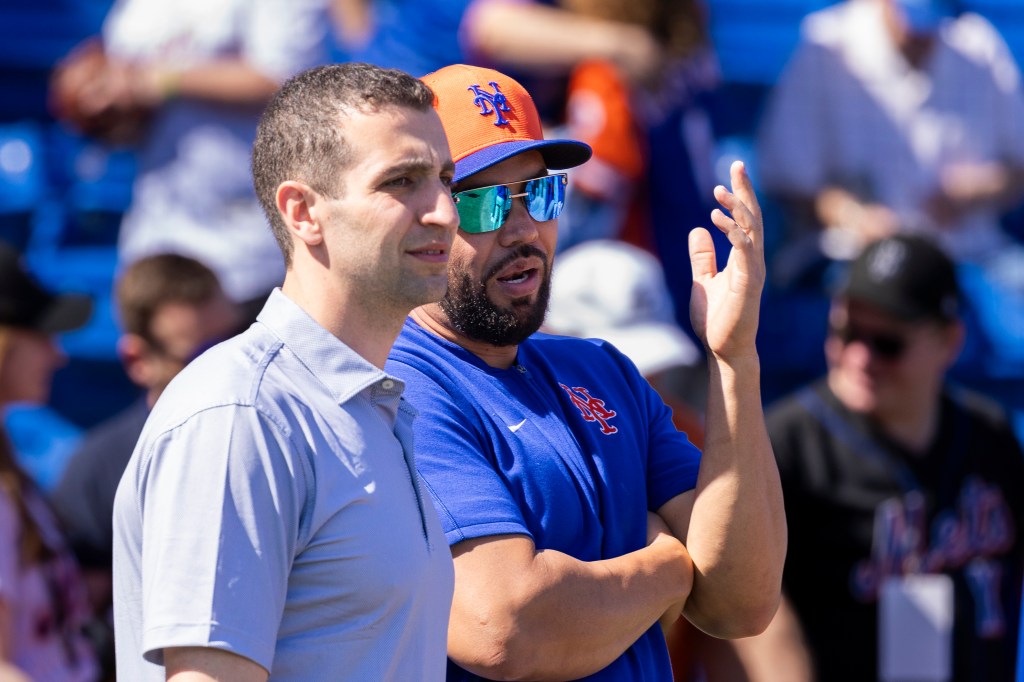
520, 613
733, 523
542, 38
201, 664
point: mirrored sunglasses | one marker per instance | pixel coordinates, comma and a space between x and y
485, 209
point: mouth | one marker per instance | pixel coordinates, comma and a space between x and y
431, 254
520, 278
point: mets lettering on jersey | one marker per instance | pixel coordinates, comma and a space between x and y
490, 103
970, 537
592, 409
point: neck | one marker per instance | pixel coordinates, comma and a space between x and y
366, 328
433, 319
913, 429
913, 423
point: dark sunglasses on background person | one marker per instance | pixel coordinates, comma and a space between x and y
485, 209
884, 346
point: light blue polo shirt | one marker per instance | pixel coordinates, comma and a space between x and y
271, 508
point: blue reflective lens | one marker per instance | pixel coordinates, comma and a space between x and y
485, 209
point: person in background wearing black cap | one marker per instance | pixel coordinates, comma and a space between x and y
904, 494
42, 599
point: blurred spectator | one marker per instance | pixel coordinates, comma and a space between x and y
898, 114
171, 308
43, 603
191, 79
902, 115
414, 36
900, 489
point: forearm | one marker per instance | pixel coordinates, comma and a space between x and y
199, 664
555, 617
835, 206
994, 184
780, 654
229, 81
736, 533
530, 35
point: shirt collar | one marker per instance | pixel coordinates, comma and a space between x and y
344, 372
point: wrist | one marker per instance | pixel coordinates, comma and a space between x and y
746, 361
168, 84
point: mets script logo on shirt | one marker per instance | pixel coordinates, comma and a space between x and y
592, 409
490, 103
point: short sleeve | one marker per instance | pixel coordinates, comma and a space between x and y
221, 498
455, 458
673, 462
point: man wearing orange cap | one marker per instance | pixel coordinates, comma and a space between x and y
576, 513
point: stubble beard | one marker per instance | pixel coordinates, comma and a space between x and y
472, 314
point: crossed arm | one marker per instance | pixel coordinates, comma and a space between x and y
520, 613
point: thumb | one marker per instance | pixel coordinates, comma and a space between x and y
702, 254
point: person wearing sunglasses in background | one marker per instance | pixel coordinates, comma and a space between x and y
904, 494
577, 515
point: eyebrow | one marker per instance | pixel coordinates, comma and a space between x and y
415, 166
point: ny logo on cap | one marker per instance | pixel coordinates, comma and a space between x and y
490, 103
887, 260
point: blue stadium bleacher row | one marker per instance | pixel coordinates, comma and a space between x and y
62, 196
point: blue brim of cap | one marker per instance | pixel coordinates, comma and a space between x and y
558, 155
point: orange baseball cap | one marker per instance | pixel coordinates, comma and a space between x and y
489, 117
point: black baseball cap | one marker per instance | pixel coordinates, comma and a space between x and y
908, 276
25, 304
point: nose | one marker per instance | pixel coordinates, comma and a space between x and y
520, 228
442, 212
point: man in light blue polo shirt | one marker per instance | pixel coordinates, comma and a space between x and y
271, 521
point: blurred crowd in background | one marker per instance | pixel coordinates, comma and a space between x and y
125, 133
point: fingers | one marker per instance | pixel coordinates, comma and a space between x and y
738, 237
703, 262
742, 186
742, 205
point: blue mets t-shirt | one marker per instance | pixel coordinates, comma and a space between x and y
570, 446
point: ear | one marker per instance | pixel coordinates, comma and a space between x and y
133, 351
298, 205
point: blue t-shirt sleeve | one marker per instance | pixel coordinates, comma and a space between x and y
455, 458
226, 468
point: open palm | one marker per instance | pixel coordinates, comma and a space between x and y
724, 306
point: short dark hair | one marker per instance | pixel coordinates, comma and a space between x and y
154, 281
301, 132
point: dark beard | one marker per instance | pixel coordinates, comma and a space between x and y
476, 317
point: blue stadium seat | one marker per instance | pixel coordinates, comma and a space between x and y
43, 441
95, 181
22, 180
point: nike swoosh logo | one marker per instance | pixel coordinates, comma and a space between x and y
515, 427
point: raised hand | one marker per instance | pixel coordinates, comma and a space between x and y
724, 306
